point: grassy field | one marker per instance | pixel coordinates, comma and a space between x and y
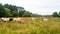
36, 26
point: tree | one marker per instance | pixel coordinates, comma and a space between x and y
7, 10
26, 14
7, 13
11, 7
2, 11
21, 13
55, 14
6, 5
59, 14
15, 13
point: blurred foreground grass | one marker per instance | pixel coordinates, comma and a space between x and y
37, 26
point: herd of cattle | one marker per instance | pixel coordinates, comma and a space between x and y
18, 19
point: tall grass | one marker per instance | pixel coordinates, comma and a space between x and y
37, 26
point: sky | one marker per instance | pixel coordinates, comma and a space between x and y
43, 7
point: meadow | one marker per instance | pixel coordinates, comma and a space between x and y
29, 26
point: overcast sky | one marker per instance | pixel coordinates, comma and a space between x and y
43, 7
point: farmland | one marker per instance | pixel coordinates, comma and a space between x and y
29, 26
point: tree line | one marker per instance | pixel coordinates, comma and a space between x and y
56, 14
7, 10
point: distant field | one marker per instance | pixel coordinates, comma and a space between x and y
29, 26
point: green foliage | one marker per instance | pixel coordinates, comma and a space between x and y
26, 14
13, 10
2, 13
55, 14
59, 14
15, 13
21, 13
7, 10
11, 7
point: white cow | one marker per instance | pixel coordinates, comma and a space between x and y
5, 19
33, 18
19, 19
45, 19
16, 19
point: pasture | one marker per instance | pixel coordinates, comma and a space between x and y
38, 25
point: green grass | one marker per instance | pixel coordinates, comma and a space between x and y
37, 26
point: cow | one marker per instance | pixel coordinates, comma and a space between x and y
20, 20
6, 19
45, 19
